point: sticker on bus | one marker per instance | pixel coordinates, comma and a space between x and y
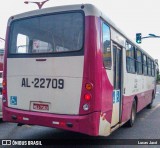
13, 100
116, 96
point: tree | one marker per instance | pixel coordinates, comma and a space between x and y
158, 77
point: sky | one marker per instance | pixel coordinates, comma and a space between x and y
131, 16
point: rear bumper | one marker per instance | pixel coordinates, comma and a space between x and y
87, 124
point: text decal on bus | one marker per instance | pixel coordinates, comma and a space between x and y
43, 83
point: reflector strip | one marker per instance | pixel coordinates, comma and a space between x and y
24, 118
55, 122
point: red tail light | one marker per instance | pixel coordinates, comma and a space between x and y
87, 97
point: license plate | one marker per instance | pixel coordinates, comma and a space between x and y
41, 107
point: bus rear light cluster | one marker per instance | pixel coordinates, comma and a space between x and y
87, 96
88, 87
4, 86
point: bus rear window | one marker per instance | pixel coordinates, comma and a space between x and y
47, 34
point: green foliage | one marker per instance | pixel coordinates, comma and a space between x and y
158, 78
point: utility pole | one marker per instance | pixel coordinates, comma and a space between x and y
2, 39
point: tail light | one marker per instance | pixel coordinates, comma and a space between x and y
87, 97
4, 88
4, 92
3, 83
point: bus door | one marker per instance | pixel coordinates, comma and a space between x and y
117, 69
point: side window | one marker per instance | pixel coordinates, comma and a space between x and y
144, 65
107, 58
139, 61
153, 69
149, 66
130, 58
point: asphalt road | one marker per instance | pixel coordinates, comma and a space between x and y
147, 126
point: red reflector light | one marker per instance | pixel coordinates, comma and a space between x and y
87, 97
62, 124
19, 118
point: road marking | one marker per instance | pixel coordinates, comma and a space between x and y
28, 126
150, 112
158, 105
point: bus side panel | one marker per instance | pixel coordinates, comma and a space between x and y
126, 107
140, 87
143, 99
95, 73
92, 71
107, 89
92, 66
107, 103
107, 85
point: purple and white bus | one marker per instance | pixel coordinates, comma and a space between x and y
70, 67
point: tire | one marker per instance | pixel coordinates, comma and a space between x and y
131, 121
149, 106
20, 124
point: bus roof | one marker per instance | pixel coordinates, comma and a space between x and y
89, 9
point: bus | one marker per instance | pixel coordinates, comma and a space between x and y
70, 67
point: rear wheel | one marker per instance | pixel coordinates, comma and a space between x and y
131, 121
